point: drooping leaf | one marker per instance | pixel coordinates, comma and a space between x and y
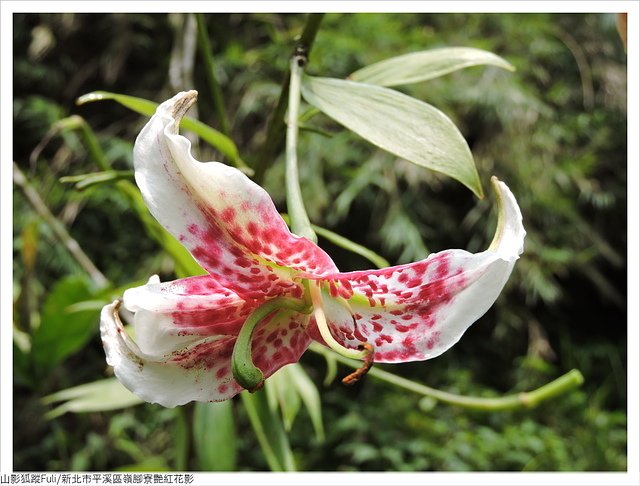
98, 396
404, 126
145, 107
288, 389
425, 65
214, 436
281, 395
299, 379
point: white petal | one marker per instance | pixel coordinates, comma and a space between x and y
169, 315
200, 370
228, 223
167, 382
418, 311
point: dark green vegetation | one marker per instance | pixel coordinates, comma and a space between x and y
555, 131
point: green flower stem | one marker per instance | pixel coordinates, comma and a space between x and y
566, 382
244, 371
207, 56
300, 224
275, 127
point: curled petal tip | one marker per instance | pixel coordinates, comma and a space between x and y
509, 236
180, 103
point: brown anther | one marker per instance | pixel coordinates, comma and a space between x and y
366, 365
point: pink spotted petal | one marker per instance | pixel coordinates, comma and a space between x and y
175, 378
280, 340
183, 311
199, 370
418, 311
228, 223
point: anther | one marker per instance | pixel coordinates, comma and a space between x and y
366, 365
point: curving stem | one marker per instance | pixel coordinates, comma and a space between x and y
244, 371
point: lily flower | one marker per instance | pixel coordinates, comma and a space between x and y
269, 293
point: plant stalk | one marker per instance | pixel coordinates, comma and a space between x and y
300, 224
564, 383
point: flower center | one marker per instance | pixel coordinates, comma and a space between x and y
250, 377
244, 371
364, 351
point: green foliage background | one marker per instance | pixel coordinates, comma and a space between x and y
555, 131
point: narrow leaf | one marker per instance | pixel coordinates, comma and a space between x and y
347, 244
84, 181
98, 396
181, 440
281, 394
404, 126
424, 65
214, 436
269, 430
145, 107
299, 379
352, 246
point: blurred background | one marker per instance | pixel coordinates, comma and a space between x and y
554, 131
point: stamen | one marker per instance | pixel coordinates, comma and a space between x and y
366, 365
364, 352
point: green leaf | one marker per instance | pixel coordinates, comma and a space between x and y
214, 436
84, 181
402, 125
151, 464
181, 440
269, 430
299, 379
284, 396
63, 330
425, 65
139, 105
145, 107
98, 396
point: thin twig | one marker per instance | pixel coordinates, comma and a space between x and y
57, 227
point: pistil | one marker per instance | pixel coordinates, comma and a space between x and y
247, 374
365, 351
